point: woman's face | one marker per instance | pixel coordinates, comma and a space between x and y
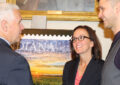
81, 42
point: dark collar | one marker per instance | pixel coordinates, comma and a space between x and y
88, 72
117, 37
3, 42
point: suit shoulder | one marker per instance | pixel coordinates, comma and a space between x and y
70, 63
99, 63
19, 57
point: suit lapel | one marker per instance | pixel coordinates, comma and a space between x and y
73, 71
89, 72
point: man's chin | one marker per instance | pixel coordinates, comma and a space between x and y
18, 40
107, 26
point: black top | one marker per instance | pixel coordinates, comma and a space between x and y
92, 75
117, 57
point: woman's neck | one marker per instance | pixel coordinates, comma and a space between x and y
84, 60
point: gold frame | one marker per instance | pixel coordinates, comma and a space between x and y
61, 15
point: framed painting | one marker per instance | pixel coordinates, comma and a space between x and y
65, 10
46, 52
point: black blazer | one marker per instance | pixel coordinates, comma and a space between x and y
92, 75
14, 69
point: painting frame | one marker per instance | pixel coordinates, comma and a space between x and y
61, 15
47, 32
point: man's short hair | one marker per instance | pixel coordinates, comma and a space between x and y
6, 9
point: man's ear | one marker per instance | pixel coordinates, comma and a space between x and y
118, 8
4, 26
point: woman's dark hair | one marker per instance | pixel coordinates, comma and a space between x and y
96, 50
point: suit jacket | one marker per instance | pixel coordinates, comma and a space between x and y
14, 69
91, 76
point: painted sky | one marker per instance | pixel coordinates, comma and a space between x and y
46, 57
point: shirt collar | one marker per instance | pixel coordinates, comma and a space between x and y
117, 36
5, 40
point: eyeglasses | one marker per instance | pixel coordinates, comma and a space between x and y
80, 38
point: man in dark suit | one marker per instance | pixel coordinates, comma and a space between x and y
14, 69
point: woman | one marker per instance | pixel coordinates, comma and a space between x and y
86, 64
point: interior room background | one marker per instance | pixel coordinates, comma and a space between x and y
104, 35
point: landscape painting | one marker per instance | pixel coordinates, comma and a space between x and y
60, 10
68, 5
46, 58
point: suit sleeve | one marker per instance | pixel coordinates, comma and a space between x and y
117, 59
19, 73
65, 74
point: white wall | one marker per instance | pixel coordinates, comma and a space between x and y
2, 0
106, 42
